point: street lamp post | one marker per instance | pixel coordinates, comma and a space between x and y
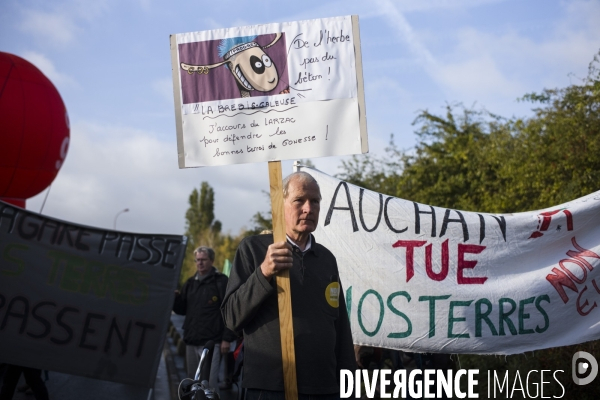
116, 216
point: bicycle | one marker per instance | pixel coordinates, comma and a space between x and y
197, 388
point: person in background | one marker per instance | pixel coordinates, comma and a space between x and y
200, 300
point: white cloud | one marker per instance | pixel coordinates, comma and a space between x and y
576, 38
582, 16
366, 9
495, 68
61, 23
84, 9
484, 65
47, 67
476, 77
398, 23
53, 27
110, 168
387, 88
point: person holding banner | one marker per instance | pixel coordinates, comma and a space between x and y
199, 301
322, 336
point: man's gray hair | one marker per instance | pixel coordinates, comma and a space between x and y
303, 177
209, 252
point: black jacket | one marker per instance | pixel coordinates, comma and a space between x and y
199, 301
322, 336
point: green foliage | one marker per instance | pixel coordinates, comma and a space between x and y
373, 172
203, 230
306, 162
453, 166
477, 161
564, 135
261, 222
200, 216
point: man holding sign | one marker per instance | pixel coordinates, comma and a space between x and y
323, 340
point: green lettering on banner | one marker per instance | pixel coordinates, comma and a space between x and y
73, 274
55, 264
543, 312
381, 311
432, 300
452, 318
6, 254
399, 335
121, 284
128, 281
504, 316
523, 316
94, 279
483, 316
349, 302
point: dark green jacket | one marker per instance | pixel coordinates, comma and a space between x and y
200, 302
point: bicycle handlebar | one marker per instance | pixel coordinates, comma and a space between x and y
203, 371
198, 389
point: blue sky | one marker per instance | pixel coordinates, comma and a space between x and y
110, 61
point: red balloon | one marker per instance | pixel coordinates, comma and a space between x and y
34, 130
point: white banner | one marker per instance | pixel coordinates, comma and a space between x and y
429, 279
82, 300
269, 92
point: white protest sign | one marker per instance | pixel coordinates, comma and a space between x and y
82, 300
428, 279
269, 92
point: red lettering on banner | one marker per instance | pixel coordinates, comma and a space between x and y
410, 246
580, 306
559, 280
565, 277
462, 264
547, 218
429, 268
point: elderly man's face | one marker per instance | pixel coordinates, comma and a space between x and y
301, 208
203, 263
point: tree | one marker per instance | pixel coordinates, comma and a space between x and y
560, 146
200, 216
203, 230
453, 165
262, 222
477, 161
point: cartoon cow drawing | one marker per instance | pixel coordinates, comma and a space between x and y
251, 67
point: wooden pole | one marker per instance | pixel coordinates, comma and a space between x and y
284, 298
